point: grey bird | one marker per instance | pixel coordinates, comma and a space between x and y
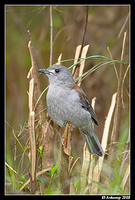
67, 102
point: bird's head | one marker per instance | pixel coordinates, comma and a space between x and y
58, 74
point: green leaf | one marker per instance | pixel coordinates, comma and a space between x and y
54, 168
48, 172
41, 149
76, 183
48, 191
22, 128
40, 178
28, 147
23, 179
40, 97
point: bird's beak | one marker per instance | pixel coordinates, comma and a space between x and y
44, 71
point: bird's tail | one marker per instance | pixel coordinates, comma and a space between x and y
93, 144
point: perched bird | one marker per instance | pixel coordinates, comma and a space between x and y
67, 102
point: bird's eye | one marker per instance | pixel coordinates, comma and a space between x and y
57, 70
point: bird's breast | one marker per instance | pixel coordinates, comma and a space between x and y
64, 105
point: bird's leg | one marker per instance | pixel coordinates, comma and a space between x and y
72, 128
63, 136
69, 124
62, 139
65, 122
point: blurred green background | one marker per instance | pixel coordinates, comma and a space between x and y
104, 29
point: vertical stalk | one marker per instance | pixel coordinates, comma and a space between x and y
51, 36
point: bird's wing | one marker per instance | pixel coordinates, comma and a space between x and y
85, 102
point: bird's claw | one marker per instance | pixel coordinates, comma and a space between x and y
69, 123
62, 139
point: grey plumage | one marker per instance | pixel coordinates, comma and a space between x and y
66, 102
93, 144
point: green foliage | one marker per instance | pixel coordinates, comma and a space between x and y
76, 185
48, 191
22, 182
24, 150
108, 186
12, 179
41, 179
22, 128
53, 170
41, 150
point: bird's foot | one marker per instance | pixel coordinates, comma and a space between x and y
62, 141
69, 124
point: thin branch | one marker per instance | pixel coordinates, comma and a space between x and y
51, 36
125, 178
33, 151
123, 84
10, 167
73, 165
123, 25
84, 34
82, 64
125, 154
32, 137
114, 63
123, 45
117, 115
85, 28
